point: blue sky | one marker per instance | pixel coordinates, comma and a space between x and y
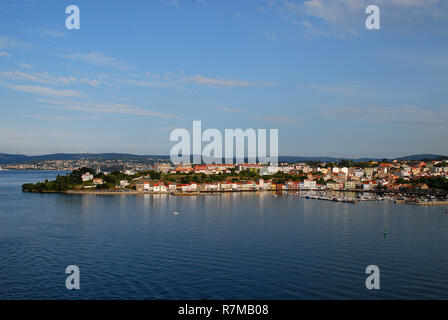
138, 69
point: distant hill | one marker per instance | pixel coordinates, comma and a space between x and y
415, 157
305, 159
420, 157
20, 158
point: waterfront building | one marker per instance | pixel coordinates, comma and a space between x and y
367, 185
159, 187
226, 186
309, 184
87, 177
184, 187
350, 185
335, 186
97, 181
143, 186
124, 183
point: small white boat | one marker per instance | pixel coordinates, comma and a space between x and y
175, 213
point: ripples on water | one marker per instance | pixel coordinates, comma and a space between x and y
237, 246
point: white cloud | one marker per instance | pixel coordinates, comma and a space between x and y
176, 81
150, 84
98, 59
8, 42
5, 54
77, 100
45, 78
348, 91
93, 83
45, 91
225, 109
270, 35
177, 3
280, 119
52, 33
89, 105
217, 82
58, 117
346, 17
25, 66
174, 4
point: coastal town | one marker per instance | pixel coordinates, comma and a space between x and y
417, 181
70, 165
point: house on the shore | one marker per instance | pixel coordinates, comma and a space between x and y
309, 184
143, 186
87, 177
159, 187
172, 187
293, 185
350, 185
184, 187
226, 186
367, 185
266, 185
97, 181
335, 185
209, 187
124, 183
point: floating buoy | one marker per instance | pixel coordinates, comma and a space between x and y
385, 232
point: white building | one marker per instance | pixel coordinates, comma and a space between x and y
124, 183
309, 184
159, 187
405, 173
87, 177
143, 186
269, 170
367, 186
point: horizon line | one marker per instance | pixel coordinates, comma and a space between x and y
167, 155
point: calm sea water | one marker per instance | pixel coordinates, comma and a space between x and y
237, 246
